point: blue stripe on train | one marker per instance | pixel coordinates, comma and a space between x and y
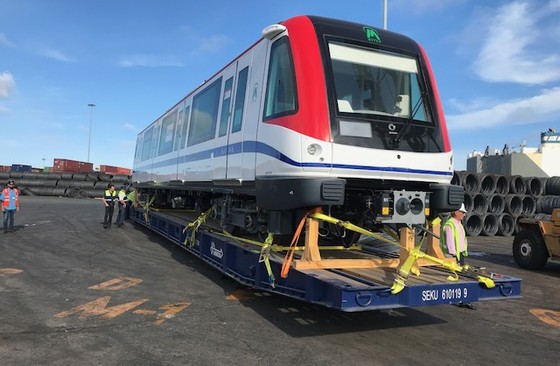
261, 148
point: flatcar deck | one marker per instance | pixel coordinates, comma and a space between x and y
345, 289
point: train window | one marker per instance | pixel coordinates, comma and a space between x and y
226, 102
179, 130
205, 114
240, 99
281, 96
369, 81
184, 129
167, 135
157, 131
138, 151
147, 145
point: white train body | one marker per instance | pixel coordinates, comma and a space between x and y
318, 112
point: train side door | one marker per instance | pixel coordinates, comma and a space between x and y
220, 152
245, 116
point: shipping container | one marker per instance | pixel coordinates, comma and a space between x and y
5, 168
71, 166
21, 168
109, 169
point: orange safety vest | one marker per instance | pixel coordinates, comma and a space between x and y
6, 201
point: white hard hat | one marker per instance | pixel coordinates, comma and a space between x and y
462, 208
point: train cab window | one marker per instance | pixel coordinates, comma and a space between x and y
226, 102
373, 82
167, 136
205, 114
240, 100
281, 95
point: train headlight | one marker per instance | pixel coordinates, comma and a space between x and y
314, 149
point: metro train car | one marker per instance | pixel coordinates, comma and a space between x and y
317, 113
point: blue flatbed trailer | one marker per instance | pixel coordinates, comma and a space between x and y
343, 289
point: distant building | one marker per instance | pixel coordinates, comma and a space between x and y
541, 162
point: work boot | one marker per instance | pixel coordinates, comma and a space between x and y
466, 305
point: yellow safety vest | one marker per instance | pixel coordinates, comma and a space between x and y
110, 196
442, 239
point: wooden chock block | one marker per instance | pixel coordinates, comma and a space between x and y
311, 250
407, 242
433, 247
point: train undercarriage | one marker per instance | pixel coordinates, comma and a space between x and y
237, 210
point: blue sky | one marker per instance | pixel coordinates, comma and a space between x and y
497, 64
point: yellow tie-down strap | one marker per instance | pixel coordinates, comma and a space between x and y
350, 226
415, 253
200, 220
147, 208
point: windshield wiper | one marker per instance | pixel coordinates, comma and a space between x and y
407, 123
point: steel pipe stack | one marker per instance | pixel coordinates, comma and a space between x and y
75, 185
495, 202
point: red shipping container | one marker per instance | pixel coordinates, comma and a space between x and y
109, 169
85, 167
64, 166
124, 171
71, 166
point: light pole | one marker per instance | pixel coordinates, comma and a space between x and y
91, 106
385, 14
44, 166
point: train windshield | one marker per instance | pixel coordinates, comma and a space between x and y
380, 100
379, 83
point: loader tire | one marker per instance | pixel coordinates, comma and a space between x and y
529, 249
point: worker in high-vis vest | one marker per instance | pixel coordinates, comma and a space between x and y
109, 198
453, 237
130, 201
10, 204
453, 241
121, 202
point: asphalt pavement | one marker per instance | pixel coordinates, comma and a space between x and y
74, 293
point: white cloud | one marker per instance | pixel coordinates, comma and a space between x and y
130, 127
536, 109
144, 60
516, 49
7, 84
213, 44
55, 55
4, 41
472, 105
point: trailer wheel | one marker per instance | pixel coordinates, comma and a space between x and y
529, 249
